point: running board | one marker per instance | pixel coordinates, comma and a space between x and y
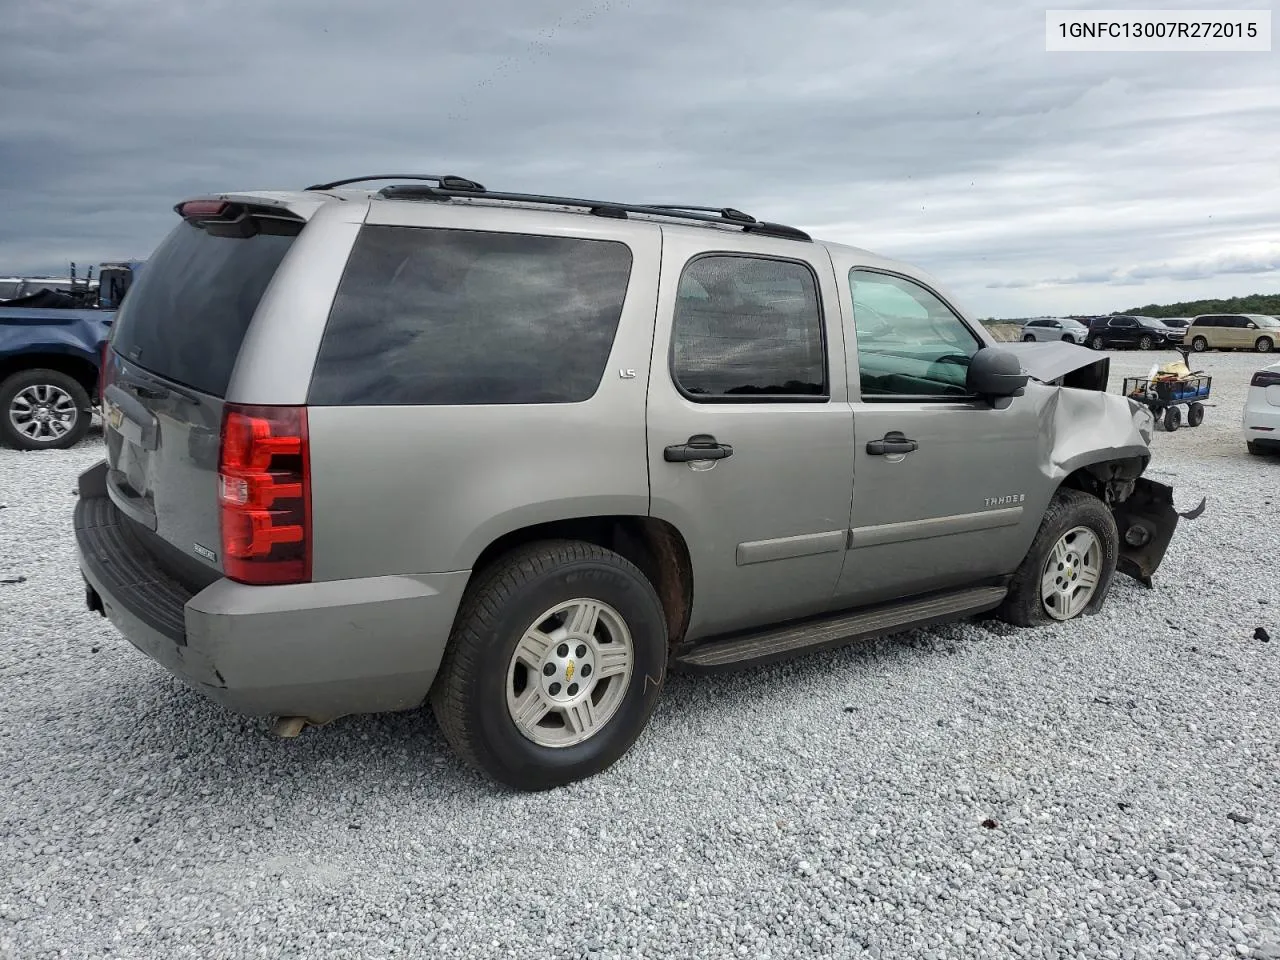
824, 633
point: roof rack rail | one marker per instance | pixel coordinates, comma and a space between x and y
448, 181
449, 187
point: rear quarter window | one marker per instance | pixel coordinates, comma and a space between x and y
427, 316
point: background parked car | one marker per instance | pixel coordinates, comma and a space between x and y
1145, 333
1055, 328
1262, 411
1177, 323
1234, 331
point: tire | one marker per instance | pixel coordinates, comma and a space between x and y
1029, 338
1068, 511
68, 409
1195, 414
1199, 344
1068, 338
474, 696
1172, 419
1097, 343
1264, 345
1146, 343
1255, 448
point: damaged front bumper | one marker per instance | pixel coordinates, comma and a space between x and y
1147, 520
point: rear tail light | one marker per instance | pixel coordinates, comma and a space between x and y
264, 494
104, 375
1266, 378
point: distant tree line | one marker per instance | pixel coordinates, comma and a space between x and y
1267, 304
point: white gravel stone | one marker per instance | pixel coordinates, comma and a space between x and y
826, 807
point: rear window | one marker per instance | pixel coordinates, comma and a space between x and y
429, 316
187, 313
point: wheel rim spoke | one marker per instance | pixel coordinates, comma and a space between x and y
612, 661
533, 647
530, 708
582, 718
583, 619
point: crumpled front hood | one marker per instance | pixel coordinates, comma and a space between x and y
1062, 364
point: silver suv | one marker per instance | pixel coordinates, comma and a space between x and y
517, 456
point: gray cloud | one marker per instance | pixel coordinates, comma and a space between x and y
938, 133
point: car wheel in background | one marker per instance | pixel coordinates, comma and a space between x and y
1068, 570
1199, 344
1264, 345
43, 410
1029, 338
1146, 343
1097, 343
554, 666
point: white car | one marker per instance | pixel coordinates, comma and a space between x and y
1262, 411
1055, 328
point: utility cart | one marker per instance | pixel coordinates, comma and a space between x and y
1169, 388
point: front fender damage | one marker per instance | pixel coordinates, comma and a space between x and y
1147, 520
1101, 442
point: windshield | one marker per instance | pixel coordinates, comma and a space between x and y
1271, 323
1151, 322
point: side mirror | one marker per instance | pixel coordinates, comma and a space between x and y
1253, 326
994, 373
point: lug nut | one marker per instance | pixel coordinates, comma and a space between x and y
581, 651
586, 669
562, 650
573, 690
549, 670
554, 689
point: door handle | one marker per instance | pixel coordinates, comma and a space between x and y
701, 446
894, 442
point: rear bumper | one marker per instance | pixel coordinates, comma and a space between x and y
1261, 421
314, 650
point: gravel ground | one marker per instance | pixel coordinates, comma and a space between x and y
1102, 789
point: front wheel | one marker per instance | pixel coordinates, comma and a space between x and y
1195, 414
554, 666
1264, 345
1069, 568
1199, 344
43, 410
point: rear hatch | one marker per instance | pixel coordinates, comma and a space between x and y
167, 369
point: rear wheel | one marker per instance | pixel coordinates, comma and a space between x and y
43, 410
1068, 570
1199, 344
1255, 448
1172, 419
1195, 415
555, 664
1264, 345
1029, 338
1146, 343
1097, 343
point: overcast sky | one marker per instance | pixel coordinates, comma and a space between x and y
940, 133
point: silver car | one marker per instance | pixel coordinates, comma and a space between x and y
519, 456
1055, 328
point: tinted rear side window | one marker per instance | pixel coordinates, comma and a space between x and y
186, 315
433, 316
748, 328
